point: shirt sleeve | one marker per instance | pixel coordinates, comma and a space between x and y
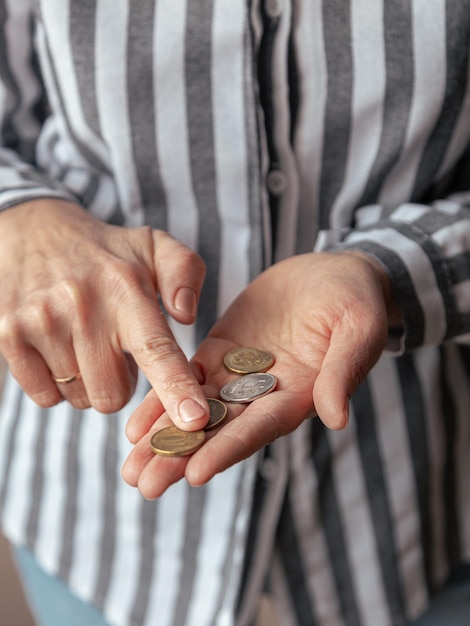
23, 111
426, 252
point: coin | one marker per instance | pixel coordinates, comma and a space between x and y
218, 412
248, 360
172, 441
248, 387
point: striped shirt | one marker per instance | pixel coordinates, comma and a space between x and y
252, 131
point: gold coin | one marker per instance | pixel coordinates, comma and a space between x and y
218, 412
173, 441
248, 360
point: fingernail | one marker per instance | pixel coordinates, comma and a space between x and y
186, 301
190, 410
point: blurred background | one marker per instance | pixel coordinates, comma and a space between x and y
13, 608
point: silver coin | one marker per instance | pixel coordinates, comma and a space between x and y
248, 388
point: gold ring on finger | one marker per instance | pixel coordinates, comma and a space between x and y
67, 379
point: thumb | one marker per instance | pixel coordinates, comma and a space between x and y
350, 357
180, 274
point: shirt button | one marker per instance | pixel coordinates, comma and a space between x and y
273, 8
276, 182
268, 469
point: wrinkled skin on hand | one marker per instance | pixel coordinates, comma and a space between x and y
81, 295
324, 316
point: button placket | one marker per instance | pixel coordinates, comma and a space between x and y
276, 182
273, 8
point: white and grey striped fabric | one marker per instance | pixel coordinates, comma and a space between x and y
253, 130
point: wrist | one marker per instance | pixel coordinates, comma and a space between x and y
394, 313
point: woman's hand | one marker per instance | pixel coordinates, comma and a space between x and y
325, 319
78, 295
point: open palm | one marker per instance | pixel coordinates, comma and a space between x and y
323, 317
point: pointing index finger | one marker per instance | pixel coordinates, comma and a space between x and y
166, 367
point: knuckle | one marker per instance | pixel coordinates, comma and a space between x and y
198, 263
193, 261
9, 331
110, 403
172, 382
123, 280
145, 233
156, 349
107, 406
117, 270
79, 402
275, 428
39, 318
72, 294
163, 357
46, 398
167, 247
191, 256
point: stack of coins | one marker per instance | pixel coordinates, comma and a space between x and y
173, 441
255, 383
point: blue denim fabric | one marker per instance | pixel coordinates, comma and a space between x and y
49, 598
451, 605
